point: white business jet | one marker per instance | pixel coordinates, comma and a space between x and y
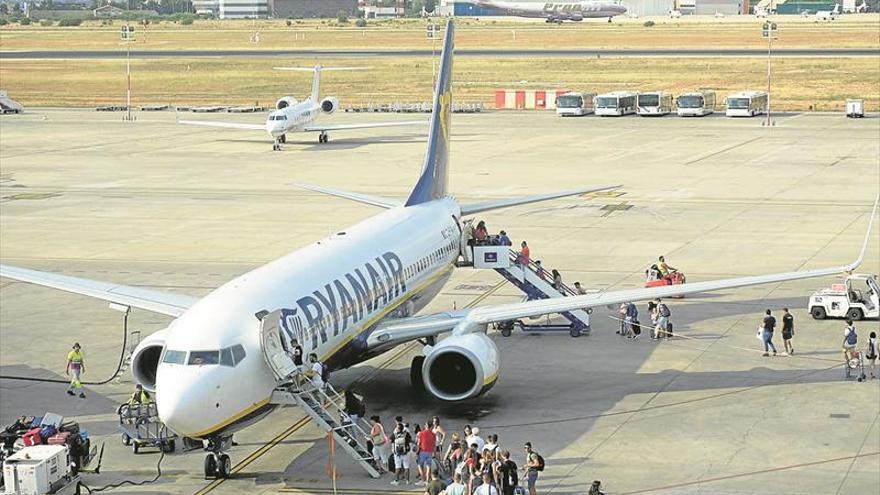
291, 115
556, 12
347, 298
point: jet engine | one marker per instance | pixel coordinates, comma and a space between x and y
329, 105
285, 102
575, 17
145, 359
461, 367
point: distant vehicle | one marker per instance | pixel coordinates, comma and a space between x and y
616, 104
696, 104
299, 116
654, 103
858, 297
675, 14
746, 104
761, 12
855, 108
556, 12
574, 104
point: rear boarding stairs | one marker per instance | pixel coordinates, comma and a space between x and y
535, 283
325, 406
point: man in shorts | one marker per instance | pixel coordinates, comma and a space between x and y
427, 443
531, 468
850, 341
787, 331
401, 442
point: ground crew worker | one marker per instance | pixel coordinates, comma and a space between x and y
139, 396
665, 270
76, 366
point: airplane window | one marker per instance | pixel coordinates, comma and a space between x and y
174, 357
238, 353
200, 358
226, 357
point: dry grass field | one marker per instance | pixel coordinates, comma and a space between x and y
798, 84
741, 32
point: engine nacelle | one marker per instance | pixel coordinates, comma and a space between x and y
145, 359
329, 105
461, 367
285, 102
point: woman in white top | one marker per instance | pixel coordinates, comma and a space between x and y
380, 443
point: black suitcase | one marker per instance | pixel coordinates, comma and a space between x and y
391, 467
669, 329
637, 327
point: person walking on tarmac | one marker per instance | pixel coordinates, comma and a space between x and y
769, 325
787, 331
76, 366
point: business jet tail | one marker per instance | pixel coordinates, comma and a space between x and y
433, 181
316, 79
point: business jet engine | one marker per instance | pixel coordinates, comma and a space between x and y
575, 17
285, 102
329, 105
145, 359
461, 367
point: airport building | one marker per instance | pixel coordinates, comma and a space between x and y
311, 8
206, 7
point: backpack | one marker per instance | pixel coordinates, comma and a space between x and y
664, 311
400, 443
869, 352
362, 409
540, 460
852, 337
325, 373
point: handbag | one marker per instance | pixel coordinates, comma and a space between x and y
760, 334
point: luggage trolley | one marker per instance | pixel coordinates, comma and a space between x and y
140, 427
854, 369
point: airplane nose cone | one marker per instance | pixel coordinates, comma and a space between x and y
183, 401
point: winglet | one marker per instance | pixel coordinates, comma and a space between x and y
855, 264
433, 181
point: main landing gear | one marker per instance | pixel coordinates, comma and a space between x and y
217, 464
323, 137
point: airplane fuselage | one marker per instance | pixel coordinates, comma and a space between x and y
573, 11
333, 292
292, 118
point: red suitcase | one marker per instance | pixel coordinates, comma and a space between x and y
32, 437
658, 283
59, 439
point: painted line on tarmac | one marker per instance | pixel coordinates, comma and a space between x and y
749, 474
304, 421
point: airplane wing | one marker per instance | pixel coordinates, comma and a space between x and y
227, 125
150, 300
345, 127
470, 209
474, 320
358, 197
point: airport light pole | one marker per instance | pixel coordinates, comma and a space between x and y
769, 31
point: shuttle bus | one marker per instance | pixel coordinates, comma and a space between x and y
747, 104
574, 104
616, 104
696, 104
654, 103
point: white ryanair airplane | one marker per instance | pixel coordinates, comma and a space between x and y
299, 116
346, 298
556, 11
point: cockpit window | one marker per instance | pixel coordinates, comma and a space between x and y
174, 357
226, 357
238, 353
200, 358
278, 117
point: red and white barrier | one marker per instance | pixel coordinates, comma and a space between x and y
527, 99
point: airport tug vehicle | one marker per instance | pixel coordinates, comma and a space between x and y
857, 298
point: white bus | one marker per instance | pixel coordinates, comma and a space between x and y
617, 103
747, 104
574, 104
696, 104
654, 103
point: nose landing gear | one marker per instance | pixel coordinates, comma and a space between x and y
217, 464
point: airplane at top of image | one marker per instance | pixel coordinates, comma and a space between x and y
556, 12
291, 115
347, 298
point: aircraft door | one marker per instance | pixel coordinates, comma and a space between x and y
873, 299
274, 346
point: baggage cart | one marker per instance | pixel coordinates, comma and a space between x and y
140, 427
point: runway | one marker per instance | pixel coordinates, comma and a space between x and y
497, 53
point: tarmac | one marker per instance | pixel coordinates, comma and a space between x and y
149, 203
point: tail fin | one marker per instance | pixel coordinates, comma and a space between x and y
316, 79
434, 179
